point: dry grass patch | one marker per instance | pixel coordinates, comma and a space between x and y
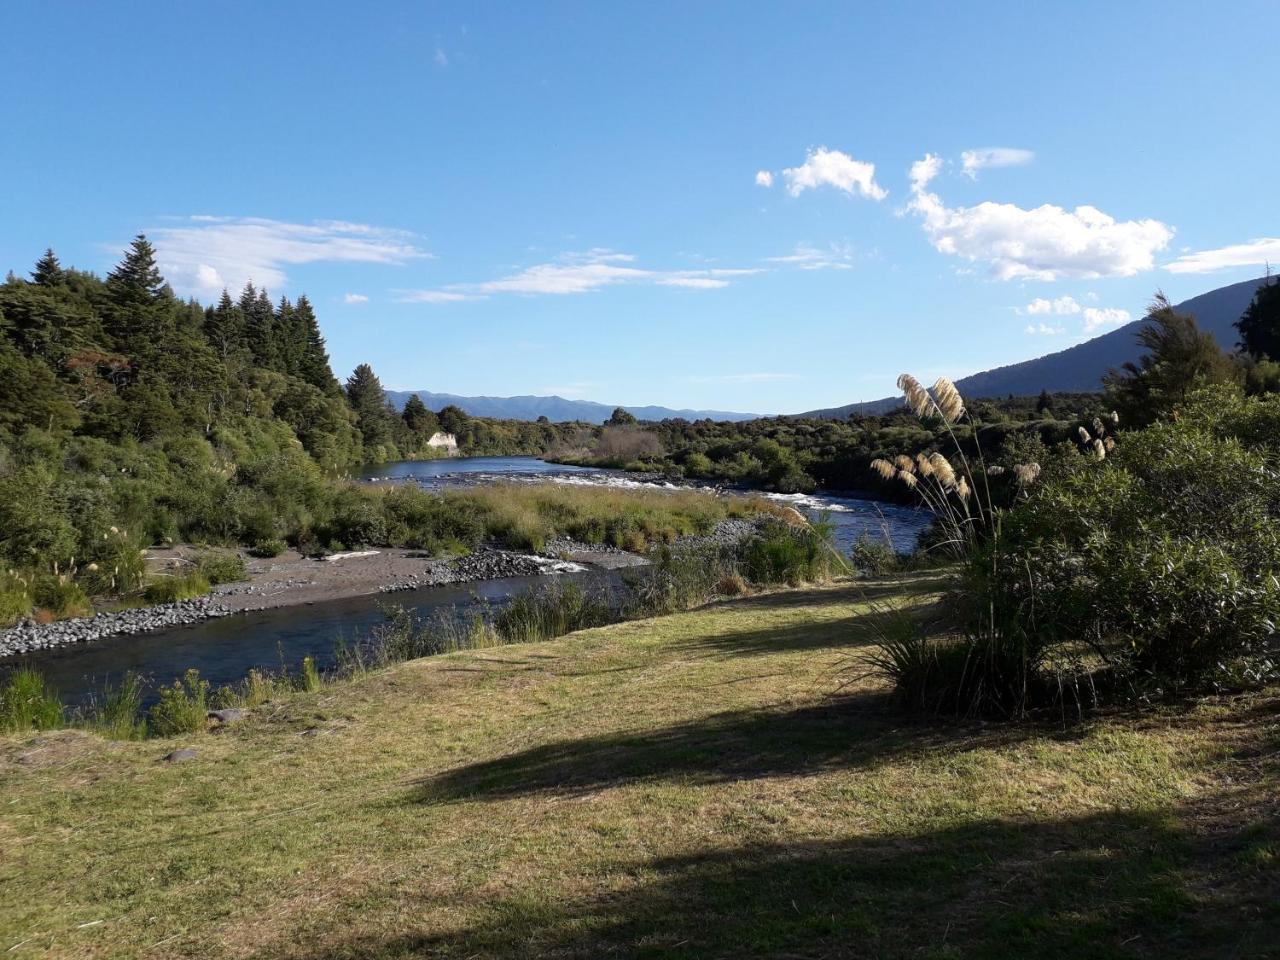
697, 785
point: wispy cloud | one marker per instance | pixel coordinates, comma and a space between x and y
971, 161
836, 256
830, 168
1254, 253
574, 273
205, 254
1044, 243
1045, 329
355, 298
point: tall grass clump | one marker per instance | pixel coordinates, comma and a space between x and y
182, 707
177, 587
27, 702
552, 611
998, 659
117, 713
15, 597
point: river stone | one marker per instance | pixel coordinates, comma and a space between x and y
186, 753
229, 715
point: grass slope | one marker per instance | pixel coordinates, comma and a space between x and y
695, 786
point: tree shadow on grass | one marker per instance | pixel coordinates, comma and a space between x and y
845, 732
1124, 884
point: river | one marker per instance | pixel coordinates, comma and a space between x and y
225, 649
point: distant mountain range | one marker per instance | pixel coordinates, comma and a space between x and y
1074, 370
1082, 367
556, 409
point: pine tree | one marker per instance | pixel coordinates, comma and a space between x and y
291, 338
140, 318
369, 401
314, 367
1045, 403
260, 326
48, 271
224, 327
1259, 326
418, 418
137, 278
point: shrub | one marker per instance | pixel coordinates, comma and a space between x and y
218, 566
873, 556
27, 702
182, 708
267, 548
186, 586
61, 596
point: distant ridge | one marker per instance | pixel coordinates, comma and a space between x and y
556, 409
1082, 367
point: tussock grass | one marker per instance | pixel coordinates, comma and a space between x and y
525, 516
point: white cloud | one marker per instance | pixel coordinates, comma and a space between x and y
823, 167
355, 298
441, 58
974, 160
1096, 318
206, 254
764, 178
1044, 329
835, 257
1044, 243
578, 273
745, 378
924, 170
1062, 306
1257, 253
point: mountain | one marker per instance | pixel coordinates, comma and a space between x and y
1081, 368
556, 409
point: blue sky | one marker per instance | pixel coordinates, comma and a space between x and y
746, 206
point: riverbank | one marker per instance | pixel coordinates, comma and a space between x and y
718, 783
291, 580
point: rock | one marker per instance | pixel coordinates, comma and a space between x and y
229, 715
178, 756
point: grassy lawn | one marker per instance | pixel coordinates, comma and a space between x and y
702, 785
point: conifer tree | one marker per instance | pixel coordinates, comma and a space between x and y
369, 401
314, 367
224, 327
137, 279
48, 271
1259, 326
140, 319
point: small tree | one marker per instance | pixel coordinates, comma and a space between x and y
621, 418
1180, 359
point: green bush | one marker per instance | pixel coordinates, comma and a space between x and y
218, 566
874, 556
268, 548
61, 596
186, 586
552, 611
782, 553
182, 708
28, 703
